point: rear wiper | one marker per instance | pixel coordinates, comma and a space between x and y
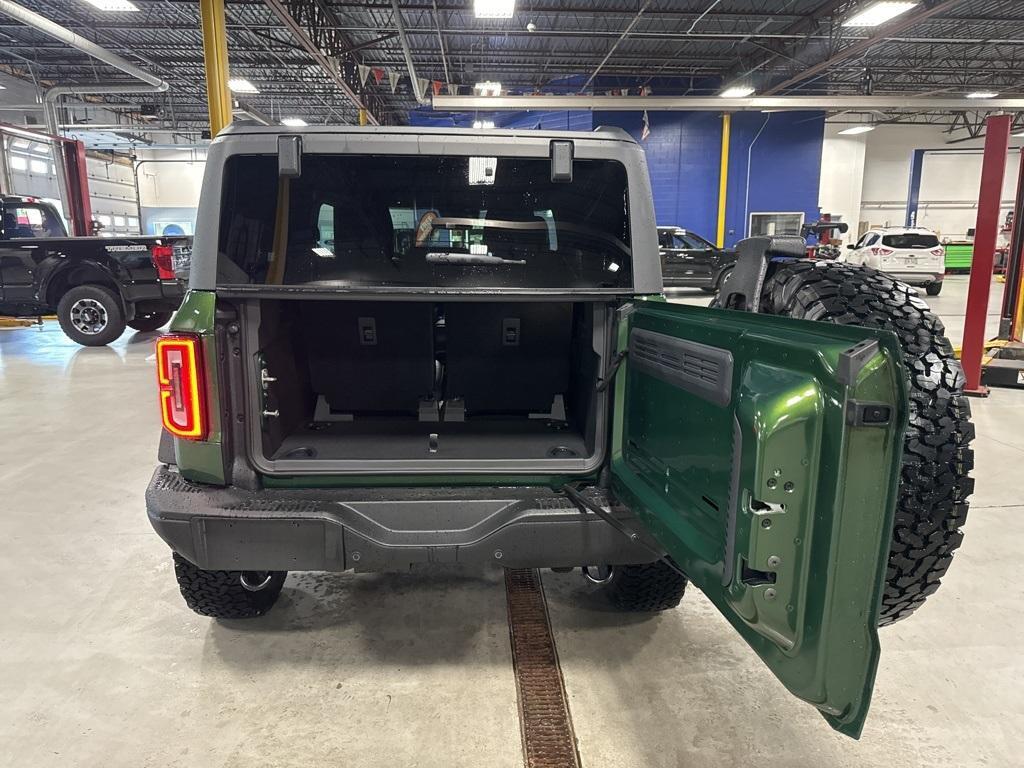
443, 257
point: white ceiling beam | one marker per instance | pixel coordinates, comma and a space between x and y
718, 104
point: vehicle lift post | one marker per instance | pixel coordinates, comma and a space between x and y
1004, 365
993, 171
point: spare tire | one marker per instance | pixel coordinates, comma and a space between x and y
934, 484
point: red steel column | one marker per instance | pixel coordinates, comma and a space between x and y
77, 175
986, 232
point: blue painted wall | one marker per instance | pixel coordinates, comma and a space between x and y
683, 159
785, 166
683, 156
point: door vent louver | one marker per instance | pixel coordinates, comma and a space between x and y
700, 369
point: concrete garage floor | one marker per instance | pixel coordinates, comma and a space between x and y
101, 663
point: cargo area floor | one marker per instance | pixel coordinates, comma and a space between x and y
404, 439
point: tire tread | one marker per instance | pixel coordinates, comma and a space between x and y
220, 594
649, 587
937, 459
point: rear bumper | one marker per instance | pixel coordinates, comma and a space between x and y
382, 529
687, 282
165, 292
917, 278
680, 276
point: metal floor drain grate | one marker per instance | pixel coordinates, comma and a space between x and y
548, 737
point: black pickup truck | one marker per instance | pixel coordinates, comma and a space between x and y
96, 285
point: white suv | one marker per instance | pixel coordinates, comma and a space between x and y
910, 254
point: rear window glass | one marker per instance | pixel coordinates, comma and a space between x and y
691, 242
910, 240
31, 221
449, 222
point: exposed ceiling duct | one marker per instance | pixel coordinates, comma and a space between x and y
150, 83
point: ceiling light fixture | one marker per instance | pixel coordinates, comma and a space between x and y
737, 92
241, 85
487, 88
113, 5
482, 124
982, 95
856, 130
294, 122
494, 9
876, 14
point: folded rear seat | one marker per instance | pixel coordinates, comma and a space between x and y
510, 357
372, 358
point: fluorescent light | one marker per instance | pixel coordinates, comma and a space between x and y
982, 95
736, 92
1019, 135
876, 14
294, 122
487, 88
478, 124
494, 9
112, 5
241, 85
857, 129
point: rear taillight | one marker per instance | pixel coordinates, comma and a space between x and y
936, 251
179, 371
163, 259
882, 251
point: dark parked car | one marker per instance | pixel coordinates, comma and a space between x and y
96, 285
690, 261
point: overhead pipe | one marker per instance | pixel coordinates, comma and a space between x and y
152, 83
99, 89
407, 52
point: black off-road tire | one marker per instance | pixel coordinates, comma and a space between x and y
650, 587
933, 289
937, 458
220, 594
98, 300
149, 321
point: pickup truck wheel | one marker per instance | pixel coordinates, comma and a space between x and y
91, 315
937, 458
933, 289
149, 321
227, 594
648, 587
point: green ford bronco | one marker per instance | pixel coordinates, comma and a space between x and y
408, 346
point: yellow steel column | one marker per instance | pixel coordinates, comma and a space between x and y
215, 57
723, 178
1017, 331
362, 116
